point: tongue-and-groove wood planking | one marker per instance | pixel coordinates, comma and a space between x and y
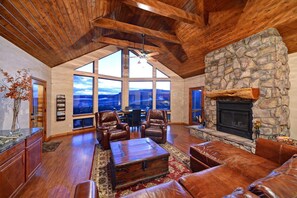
57, 31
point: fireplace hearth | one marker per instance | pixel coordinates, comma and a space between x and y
235, 117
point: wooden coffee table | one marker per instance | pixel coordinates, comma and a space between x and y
137, 160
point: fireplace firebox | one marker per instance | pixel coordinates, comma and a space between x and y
235, 117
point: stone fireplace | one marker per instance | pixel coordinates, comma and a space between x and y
259, 61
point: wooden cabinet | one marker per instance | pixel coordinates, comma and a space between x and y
12, 175
33, 157
19, 163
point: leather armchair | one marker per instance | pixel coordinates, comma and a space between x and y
110, 128
155, 126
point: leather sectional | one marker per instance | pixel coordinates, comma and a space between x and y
227, 171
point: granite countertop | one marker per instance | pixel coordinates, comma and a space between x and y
8, 139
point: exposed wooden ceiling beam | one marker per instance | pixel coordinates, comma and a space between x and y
129, 28
201, 11
127, 44
166, 10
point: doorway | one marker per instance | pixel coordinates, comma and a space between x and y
196, 108
38, 105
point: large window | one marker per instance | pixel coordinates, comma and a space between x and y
86, 68
159, 74
109, 94
82, 94
111, 65
82, 123
137, 69
163, 95
141, 95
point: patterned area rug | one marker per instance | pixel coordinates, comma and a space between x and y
179, 164
50, 146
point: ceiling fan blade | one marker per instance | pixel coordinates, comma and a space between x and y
153, 54
138, 52
151, 59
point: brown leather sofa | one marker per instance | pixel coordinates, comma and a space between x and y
223, 168
110, 128
155, 126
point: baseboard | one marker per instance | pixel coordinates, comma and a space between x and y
177, 123
74, 132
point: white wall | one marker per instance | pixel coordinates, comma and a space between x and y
192, 82
293, 94
12, 59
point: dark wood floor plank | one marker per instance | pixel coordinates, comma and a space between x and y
71, 163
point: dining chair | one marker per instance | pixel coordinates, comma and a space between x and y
134, 118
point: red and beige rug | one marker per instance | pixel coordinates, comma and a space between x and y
178, 166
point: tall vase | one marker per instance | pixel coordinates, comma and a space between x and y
15, 127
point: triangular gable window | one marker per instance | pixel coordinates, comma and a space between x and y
111, 65
160, 74
86, 68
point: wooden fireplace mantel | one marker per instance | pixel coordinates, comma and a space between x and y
245, 93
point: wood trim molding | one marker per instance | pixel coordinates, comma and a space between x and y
245, 93
177, 123
74, 132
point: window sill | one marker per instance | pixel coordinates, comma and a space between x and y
83, 115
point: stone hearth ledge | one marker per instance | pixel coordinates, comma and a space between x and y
211, 135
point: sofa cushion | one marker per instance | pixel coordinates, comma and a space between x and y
216, 152
274, 151
213, 182
241, 193
154, 131
166, 190
117, 134
282, 182
287, 151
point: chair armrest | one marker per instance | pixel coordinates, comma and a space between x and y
145, 125
122, 125
163, 126
102, 128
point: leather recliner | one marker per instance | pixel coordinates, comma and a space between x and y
155, 126
110, 128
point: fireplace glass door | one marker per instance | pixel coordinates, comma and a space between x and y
235, 117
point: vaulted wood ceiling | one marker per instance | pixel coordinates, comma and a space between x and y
183, 31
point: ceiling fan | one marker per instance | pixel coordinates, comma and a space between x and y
142, 55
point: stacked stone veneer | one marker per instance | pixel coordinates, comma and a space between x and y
259, 61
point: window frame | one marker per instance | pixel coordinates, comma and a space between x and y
169, 93
120, 80
146, 80
109, 76
93, 94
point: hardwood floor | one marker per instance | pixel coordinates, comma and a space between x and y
71, 163
62, 169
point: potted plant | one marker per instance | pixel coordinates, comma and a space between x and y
18, 88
